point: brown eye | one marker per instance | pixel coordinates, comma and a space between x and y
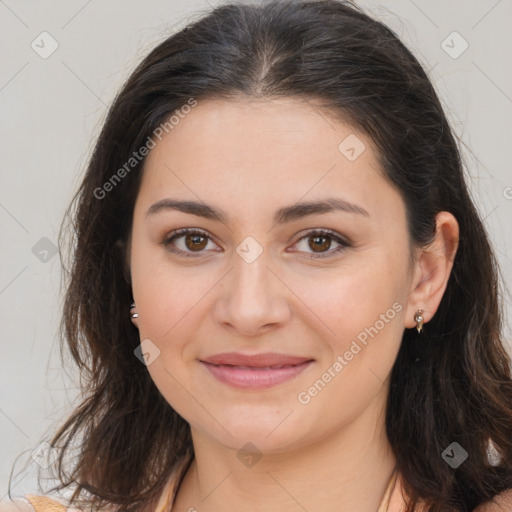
185, 242
320, 241
194, 242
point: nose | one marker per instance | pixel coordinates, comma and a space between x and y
253, 298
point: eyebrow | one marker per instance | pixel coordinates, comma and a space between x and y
282, 216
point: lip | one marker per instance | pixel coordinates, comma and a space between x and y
255, 360
258, 371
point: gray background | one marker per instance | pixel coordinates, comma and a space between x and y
52, 108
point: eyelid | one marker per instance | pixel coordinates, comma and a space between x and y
343, 242
323, 231
177, 233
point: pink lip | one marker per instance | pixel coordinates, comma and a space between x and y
258, 371
256, 360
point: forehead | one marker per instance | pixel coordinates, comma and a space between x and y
284, 127
260, 152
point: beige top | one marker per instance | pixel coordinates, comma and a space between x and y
392, 500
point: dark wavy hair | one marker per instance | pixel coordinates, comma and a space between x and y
452, 384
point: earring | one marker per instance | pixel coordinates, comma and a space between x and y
418, 318
134, 315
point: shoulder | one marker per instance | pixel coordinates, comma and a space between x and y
501, 503
34, 503
16, 505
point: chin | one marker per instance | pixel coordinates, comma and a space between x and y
270, 429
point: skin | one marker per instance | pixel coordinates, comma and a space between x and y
251, 158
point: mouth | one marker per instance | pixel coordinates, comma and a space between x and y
258, 371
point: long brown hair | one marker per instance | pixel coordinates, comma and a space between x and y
451, 385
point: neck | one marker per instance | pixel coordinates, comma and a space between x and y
345, 471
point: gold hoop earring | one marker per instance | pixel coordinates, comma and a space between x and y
418, 318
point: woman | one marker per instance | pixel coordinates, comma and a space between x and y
278, 202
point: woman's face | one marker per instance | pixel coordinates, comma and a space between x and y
261, 281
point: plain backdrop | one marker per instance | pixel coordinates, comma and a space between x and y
52, 106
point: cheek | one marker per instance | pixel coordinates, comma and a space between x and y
351, 298
173, 303
168, 307
163, 293
361, 312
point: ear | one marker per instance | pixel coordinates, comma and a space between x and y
135, 321
432, 270
124, 251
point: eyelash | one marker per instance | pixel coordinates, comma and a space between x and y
344, 244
